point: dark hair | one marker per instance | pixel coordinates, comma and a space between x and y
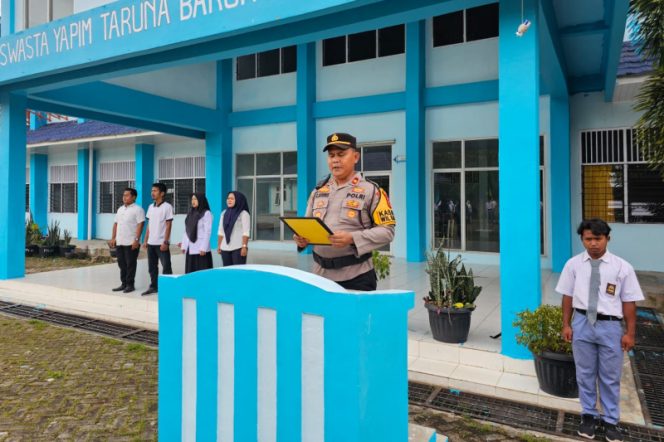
160, 186
131, 190
597, 226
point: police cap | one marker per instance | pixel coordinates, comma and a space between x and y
341, 140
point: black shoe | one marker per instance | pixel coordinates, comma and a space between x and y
119, 289
129, 289
612, 433
149, 291
587, 426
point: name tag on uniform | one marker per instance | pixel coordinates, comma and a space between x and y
610, 289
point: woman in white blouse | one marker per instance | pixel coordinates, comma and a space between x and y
196, 238
234, 229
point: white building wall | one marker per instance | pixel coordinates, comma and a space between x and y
640, 244
264, 92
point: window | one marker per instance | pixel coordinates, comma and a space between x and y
63, 197
27, 190
376, 165
44, 11
618, 186
264, 64
466, 25
364, 45
114, 178
269, 181
182, 176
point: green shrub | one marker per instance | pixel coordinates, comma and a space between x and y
539, 330
381, 264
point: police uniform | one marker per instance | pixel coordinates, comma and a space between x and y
597, 348
360, 207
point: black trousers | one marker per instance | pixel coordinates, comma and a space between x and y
366, 282
154, 256
232, 257
127, 262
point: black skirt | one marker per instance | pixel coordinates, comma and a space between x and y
194, 263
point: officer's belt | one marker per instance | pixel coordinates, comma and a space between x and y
340, 262
600, 317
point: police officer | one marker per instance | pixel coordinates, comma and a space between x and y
356, 210
601, 290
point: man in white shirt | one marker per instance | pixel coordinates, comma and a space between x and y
158, 236
126, 238
601, 290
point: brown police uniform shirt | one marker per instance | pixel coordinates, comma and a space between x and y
359, 207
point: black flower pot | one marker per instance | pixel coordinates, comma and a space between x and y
47, 251
31, 250
69, 251
556, 374
449, 325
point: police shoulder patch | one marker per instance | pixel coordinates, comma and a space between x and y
383, 215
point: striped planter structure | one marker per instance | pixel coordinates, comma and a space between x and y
269, 353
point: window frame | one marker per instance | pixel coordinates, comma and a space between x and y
72, 168
131, 182
280, 64
377, 50
200, 168
464, 27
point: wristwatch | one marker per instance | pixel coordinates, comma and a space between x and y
167, 242
244, 246
136, 239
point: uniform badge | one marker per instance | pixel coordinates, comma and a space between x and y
351, 214
355, 181
335, 137
324, 189
383, 214
358, 189
320, 204
317, 214
610, 289
352, 203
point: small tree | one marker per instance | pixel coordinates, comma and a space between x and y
647, 28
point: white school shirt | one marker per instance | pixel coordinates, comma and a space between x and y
128, 218
157, 217
204, 230
616, 275
241, 228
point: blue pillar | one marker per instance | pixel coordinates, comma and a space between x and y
219, 148
561, 211
415, 117
37, 120
144, 174
87, 194
39, 189
8, 15
12, 180
306, 124
519, 205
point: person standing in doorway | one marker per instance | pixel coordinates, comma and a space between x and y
196, 237
356, 210
234, 230
126, 238
599, 291
157, 237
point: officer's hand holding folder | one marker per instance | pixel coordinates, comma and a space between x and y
311, 228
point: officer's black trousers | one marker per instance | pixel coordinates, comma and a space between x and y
366, 282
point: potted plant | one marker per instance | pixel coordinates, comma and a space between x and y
32, 237
381, 264
51, 242
451, 300
66, 249
539, 330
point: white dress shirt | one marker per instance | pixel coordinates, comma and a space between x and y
241, 228
617, 276
204, 230
157, 217
128, 218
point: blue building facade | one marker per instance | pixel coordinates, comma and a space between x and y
496, 145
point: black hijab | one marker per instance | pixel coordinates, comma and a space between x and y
195, 214
232, 213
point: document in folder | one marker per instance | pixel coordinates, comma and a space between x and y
309, 227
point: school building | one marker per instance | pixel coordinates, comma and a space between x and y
498, 143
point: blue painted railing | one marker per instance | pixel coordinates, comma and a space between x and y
272, 353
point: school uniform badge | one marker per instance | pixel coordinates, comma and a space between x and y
610, 289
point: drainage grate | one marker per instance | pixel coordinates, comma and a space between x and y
107, 328
145, 336
646, 316
650, 335
24, 311
491, 409
4, 304
649, 361
418, 394
65, 319
653, 390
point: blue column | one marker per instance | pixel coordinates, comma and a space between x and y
306, 124
144, 173
519, 206
39, 189
8, 15
415, 118
12, 181
37, 120
561, 211
83, 192
219, 148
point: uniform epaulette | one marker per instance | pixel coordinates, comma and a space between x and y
323, 182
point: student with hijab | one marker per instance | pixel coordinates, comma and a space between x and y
234, 229
196, 238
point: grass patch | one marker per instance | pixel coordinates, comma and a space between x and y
137, 348
111, 341
55, 374
37, 324
531, 438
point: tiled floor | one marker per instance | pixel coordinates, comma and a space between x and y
475, 366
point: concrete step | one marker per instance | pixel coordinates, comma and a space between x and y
418, 433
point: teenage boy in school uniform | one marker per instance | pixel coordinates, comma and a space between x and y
601, 290
157, 236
